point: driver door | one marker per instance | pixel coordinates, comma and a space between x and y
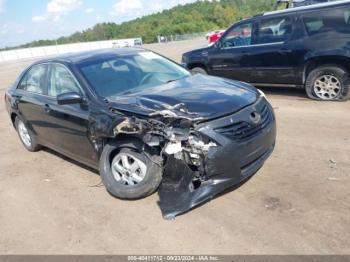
69, 123
230, 57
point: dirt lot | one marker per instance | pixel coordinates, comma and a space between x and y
298, 203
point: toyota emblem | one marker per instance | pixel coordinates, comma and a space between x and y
255, 117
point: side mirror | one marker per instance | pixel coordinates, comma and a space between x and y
69, 98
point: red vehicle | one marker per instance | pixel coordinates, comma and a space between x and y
215, 36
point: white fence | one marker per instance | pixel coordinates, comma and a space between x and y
42, 51
171, 38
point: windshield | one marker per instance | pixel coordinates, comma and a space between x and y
131, 73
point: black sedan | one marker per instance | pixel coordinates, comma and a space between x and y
145, 123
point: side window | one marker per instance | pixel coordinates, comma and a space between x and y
313, 24
274, 30
326, 21
61, 81
240, 35
34, 80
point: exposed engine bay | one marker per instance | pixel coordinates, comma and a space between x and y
174, 134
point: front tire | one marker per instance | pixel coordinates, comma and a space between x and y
129, 174
27, 138
329, 83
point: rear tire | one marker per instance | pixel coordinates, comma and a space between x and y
119, 177
199, 70
328, 83
27, 138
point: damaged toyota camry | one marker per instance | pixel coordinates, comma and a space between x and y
145, 123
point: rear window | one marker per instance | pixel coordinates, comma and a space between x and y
274, 30
34, 80
337, 20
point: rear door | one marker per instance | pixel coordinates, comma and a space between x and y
30, 99
276, 53
230, 57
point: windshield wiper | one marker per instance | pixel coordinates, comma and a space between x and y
173, 80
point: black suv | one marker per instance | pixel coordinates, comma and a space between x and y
305, 47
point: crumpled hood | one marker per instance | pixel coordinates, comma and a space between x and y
201, 97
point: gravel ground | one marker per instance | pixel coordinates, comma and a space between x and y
298, 203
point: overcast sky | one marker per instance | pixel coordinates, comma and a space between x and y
22, 21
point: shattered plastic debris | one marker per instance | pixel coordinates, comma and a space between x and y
333, 179
332, 161
173, 148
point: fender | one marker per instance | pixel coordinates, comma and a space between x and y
197, 57
316, 58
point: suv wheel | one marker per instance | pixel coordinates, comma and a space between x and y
129, 174
27, 138
198, 70
328, 83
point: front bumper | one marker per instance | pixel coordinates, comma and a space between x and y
238, 156
241, 153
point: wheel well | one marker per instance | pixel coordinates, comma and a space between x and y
335, 61
127, 141
191, 66
121, 141
131, 142
13, 118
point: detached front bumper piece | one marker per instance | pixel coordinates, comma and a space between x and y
242, 150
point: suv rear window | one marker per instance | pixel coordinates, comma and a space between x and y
274, 30
331, 20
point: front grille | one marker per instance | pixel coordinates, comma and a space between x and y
243, 130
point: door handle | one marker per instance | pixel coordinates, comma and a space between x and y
47, 108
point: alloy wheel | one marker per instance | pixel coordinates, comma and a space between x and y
24, 134
128, 170
327, 87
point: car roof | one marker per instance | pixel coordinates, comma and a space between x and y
308, 7
86, 56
